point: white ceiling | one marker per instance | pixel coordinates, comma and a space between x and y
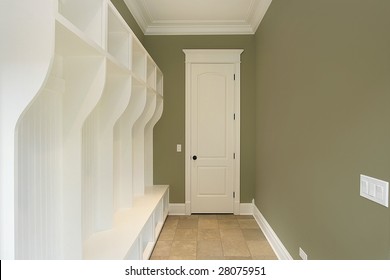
185, 17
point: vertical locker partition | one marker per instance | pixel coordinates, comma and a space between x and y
139, 146
148, 151
123, 188
76, 140
98, 146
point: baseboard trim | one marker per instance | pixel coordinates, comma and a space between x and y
246, 209
177, 209
277, 245
180, 209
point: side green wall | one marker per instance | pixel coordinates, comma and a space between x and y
323, 95
167, 51
121, 6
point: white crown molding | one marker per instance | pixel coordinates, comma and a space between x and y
259, 14
150, 26
139, 13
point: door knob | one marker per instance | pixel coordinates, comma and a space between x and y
194, 157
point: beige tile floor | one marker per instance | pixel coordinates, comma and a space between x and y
212, 237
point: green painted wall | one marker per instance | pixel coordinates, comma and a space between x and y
323, 95
128, 17
167, 51
315, 89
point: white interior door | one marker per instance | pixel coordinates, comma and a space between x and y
212, 138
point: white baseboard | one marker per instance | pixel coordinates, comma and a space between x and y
177, 209
277, 245
180, 209
246, 208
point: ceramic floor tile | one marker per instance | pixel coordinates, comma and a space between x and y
186, 234
253, 234
209, 248
208, 234
208, 223
228, 223
205, 258
260, 248
154, 258
182, 258
212, 237
248, 224
237, 258
162, 249
188, 223
232, 234
269, 258
173, 217
226, 217
171, 224
183, 249
207, 217
189, 217
235, 248
167, 234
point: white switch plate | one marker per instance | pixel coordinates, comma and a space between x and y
178, 148
375, 190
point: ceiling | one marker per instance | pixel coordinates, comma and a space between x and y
198, 17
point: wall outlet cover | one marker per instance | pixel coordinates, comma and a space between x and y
302, 254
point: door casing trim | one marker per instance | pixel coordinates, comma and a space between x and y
204, 56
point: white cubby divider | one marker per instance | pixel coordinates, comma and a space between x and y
78, 134
118, 40
123, 182
151, 74
98, 132
139, 146
159, 218
148, 156
159, 82
138, 65
86, 15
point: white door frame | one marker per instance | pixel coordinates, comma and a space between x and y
204, 56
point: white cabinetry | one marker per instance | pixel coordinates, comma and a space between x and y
79, 97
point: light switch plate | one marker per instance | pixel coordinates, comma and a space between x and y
374, 189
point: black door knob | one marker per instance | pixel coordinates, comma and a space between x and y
194, 157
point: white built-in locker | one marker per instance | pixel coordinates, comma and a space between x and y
79, 98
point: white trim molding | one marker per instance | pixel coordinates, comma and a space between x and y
152, 19
195, 56
181, 209
176, 209
276, 244
246, 209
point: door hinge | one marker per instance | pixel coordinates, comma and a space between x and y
234, 194
234, 76
234, 155
234, 116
